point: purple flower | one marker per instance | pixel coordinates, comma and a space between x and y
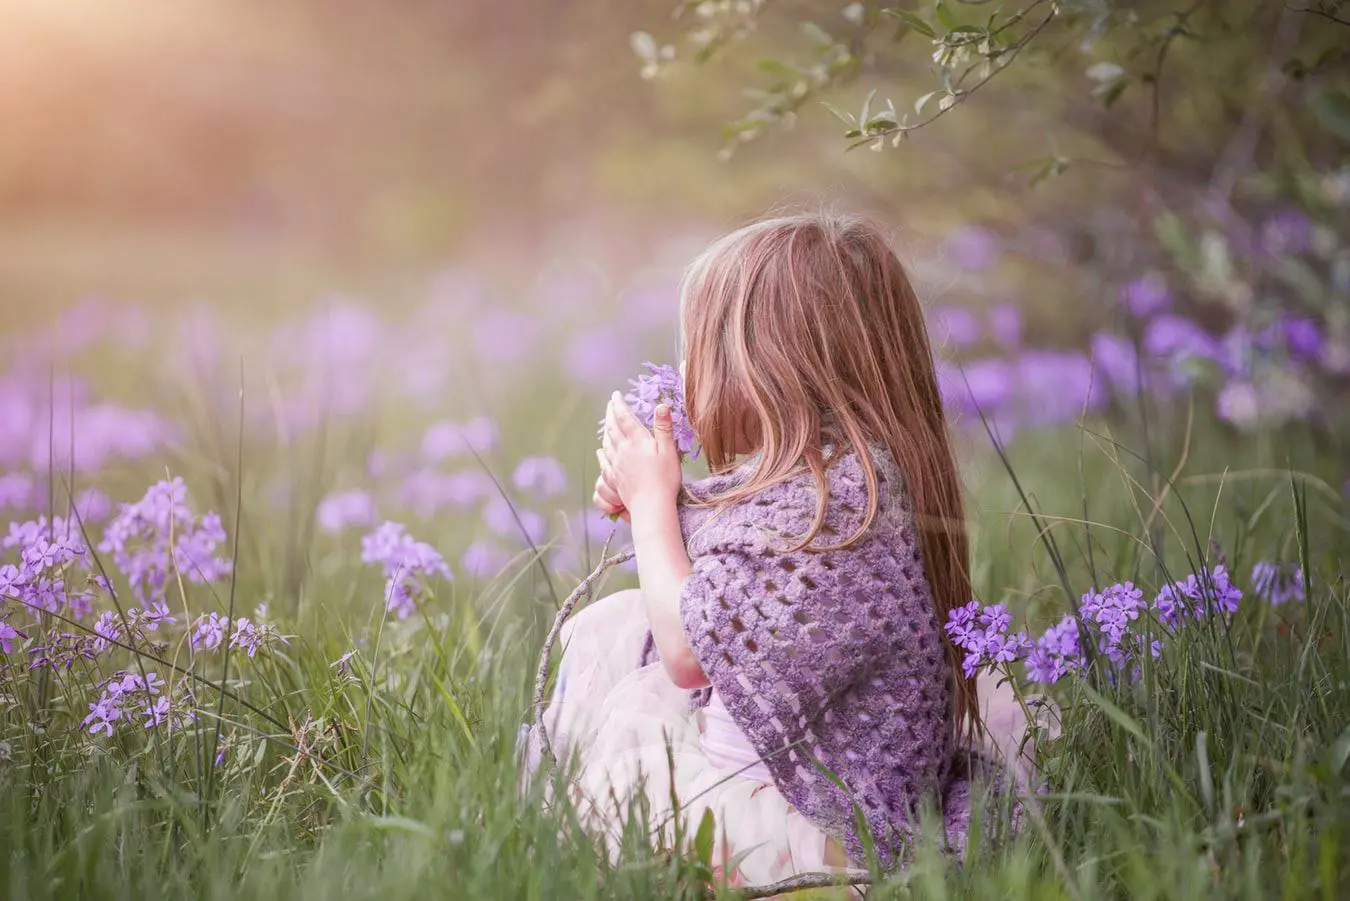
1113, 609
973, 248
955, 326
1276, 583
406, 563
1005, 324
17, 491
342, 510
93, 505
208, 632
107, 629
597, 357
663, 385
139, 540
343, 663
1116, 363
449, 440
541, 476
513, 521
985, 644
7, 635
1179, 341
1056, 387
1057, 653
483, 559
102, 716
1298, 335
1288, 231
1146, 295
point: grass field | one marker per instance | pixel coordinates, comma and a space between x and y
359, 755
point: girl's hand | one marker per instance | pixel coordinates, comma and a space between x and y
606, 499
639, 468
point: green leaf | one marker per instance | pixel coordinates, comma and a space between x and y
866, 107
846, 118
703, 839
913, 21
944, 15
817, 34
778, 69
918, 104
1340, 751
1111, 93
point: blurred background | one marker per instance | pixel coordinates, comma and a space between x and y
397, 225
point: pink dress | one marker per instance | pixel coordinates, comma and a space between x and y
627, 725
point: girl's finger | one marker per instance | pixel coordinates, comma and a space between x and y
608, 446
624, 419
603, 505
606, 471
608, 495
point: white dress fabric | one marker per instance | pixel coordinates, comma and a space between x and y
631, 729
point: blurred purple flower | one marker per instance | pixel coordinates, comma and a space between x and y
1005, 324
342, 510
509, 520
427, 492
1168, 337
597, 357
501, 336
1287, 231
973, 248
1276, 583
586, 534
93, 505
1146, 295
1238, 403
484, 560
956, 327
1116, 363
17, 491
448, 440
1056, 387
139, 540
540, 476
1299, 336
653, 307
407, 564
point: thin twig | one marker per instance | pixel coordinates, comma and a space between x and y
541, 679
798, 883
1318, 12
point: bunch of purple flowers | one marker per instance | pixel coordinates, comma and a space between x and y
209, 633
127, 696
661, 384
1278, 584
159, 535
407, 564
1111, 619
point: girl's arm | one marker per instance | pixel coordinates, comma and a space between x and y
642, 469
663, 567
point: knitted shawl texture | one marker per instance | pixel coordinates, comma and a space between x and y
829, 661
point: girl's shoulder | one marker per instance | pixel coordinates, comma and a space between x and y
780, 514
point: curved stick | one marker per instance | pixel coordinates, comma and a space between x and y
541, 678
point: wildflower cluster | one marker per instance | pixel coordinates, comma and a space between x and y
49, 554
1112, 620
212, 630
407, 564
1277, 584
158, 535
663, 385
128, 697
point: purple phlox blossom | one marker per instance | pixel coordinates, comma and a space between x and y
1299, 336
126, 696
1146, 295
483, 559
983, 634
956, 327
501, 337
1179, 342
343, 663
1116, 363
61, 651
513, 521
662, 385
102, 715
93, 505
12, 581
139, 540
541, 476
1287, 231
208, 632
169, 710
973, 247
341, 510
1005, 324
249, 636
598, 356
7, 635
107, 630
407, 563
427, 491
17, 491
1277, 583
448, 440
1056, 386
1056, 653
1113, 609
1200, 594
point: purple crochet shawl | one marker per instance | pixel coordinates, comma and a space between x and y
829, 659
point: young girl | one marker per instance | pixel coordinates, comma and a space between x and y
785, 650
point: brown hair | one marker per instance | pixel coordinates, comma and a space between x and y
802, 332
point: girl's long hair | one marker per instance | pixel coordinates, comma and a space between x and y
803, 332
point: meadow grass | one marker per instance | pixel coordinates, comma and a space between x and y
1224, 771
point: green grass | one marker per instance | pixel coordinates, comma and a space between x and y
1223, 772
